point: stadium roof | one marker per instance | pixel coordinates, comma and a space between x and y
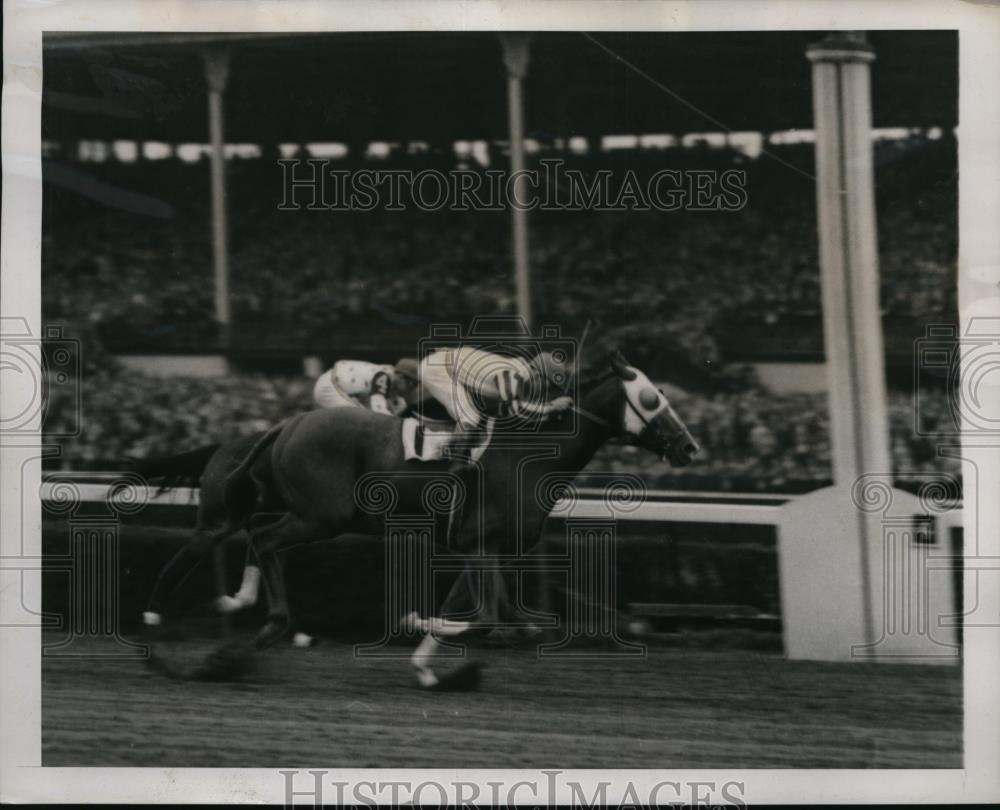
440, 86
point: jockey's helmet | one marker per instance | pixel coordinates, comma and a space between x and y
408, 367
551, 369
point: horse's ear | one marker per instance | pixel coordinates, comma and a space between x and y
620, 365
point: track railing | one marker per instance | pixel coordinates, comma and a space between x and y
667, 506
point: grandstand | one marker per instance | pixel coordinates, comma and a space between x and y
701, 282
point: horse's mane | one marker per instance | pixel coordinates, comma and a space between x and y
588, 385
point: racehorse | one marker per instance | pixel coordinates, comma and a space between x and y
305, 480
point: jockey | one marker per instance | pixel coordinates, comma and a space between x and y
357, 383
477, 387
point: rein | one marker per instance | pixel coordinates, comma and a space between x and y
593, 417
616, 430
579, 353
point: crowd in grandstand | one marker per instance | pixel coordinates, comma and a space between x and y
678, 276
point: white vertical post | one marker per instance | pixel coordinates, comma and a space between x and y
515, 59
217, 75
860, 576
830, 547
852, 320
852, 323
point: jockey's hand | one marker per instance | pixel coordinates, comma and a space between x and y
562, 403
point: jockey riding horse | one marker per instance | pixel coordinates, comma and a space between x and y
302, 481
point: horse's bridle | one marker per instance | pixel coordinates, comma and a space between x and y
620, 431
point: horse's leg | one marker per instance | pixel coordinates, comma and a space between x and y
460, 600
278, 618
422, 658
268, 541
249, 588
179, 569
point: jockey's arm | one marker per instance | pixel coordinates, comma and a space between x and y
378, 399
510, 388
522, 406
379, 404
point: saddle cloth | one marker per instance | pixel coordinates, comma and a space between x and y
426, 439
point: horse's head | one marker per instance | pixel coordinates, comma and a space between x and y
649, 421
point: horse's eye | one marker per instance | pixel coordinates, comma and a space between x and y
649, 399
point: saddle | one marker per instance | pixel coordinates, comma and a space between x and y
425, 439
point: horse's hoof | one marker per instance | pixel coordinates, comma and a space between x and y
152, 632
155, 633
271, 633
227, 604
464, 678
155, 662
303, 640
413, 624
230, 662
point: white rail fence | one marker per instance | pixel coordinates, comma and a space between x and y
910, 615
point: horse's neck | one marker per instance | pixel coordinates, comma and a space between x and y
602, 403
506, 467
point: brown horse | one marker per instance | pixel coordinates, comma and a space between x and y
331, 472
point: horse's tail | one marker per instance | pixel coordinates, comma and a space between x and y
239, 488
181, 470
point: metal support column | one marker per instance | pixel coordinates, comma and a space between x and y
848, 254
840, 547
217, 75
515, 59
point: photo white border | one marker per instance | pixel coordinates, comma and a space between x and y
22, 779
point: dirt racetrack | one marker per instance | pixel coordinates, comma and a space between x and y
676, 707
